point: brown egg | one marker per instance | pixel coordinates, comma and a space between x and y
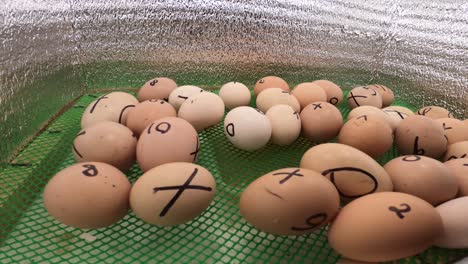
384, 227
169, 139
465, 121
285, 124
106, 142
147, 112
434, 112
454, 129
368, 133
333, 91
182, 93
110, 107
353, 172
364, 95
424, 177
202, 110
289, 201
373, 111
321, 121
420, 135
397, 114
172, 194
457, 150
270, 82
387, 95
157, 88
307, 93
88, 195
275, 96
459, 168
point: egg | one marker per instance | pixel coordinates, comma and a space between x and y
157, 88
270, 82
202, 110
387, 95
333, 91
307, 93
459, 168
88, 195
275, 96
420, 135
384, 227
454, 129
106, 142
457, 150
285, 124
434, 112
363, 95
147, 112
321, 121
399, 109
465, 121
397, 114
182, 93
368, 133
373, 111
290, 201
172, 194
235, 94
424, 177
353, 172
169, 139
455, 232
247, 128
110, 107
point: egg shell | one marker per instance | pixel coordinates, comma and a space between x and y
465, 121
459, 168
235, 94
156, 88
420, 135
112, 107
353, 172
368, 133
401, 109
270, 82
321, 121
457, 150
434, 112
106, 142
169, 139
88, 195
455, 232
247, 128
387, 95
307, 93
384, 227
397, 114
275, 96
363, 95
285, 124
145, 113
454, 129
182, 93
289, 201
333, 91
424, 177
172, 194
202, 110
373, 111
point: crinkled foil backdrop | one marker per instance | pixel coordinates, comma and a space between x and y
51, 51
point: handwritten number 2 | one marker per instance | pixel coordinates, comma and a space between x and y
400, 211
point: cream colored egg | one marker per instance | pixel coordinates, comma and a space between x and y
147, 112
333, 91
235, 94
110, 107
400, 109
457, 150
454, 129
353, 172
202, 110
276, 96
169, 139
373, 111
321, 121
182, 93
307, 93
157, 88
247, 128
397, 114
106, 142
172, 194
88, 195
289, 201
364, 95
434, 112
270, 82
387, 95
459, 168
285, 124
454, 214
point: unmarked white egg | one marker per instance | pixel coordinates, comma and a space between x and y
235, 94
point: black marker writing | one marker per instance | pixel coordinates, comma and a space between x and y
333, 100
197, 150
289, 175
122, 112
367, 88
400, 114
274, 194
90, 170
411, 158
364, 116
163, 127
332, 179
318, 105
230, 130
416, 149
424, 111
296, 114
455, 157
356, 96
153, 82
312, 222
399, 212
446, 127
74, 147
149, 128
97, 102
183, 97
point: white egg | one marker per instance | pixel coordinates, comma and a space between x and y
285, 124
247, 128
202, 110
235, 94
454, 214
182, 93
275, 96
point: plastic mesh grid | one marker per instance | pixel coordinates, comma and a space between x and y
219, 235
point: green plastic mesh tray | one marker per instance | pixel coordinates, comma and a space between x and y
219, 235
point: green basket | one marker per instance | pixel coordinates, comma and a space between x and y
219, 235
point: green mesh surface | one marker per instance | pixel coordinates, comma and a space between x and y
219, 235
